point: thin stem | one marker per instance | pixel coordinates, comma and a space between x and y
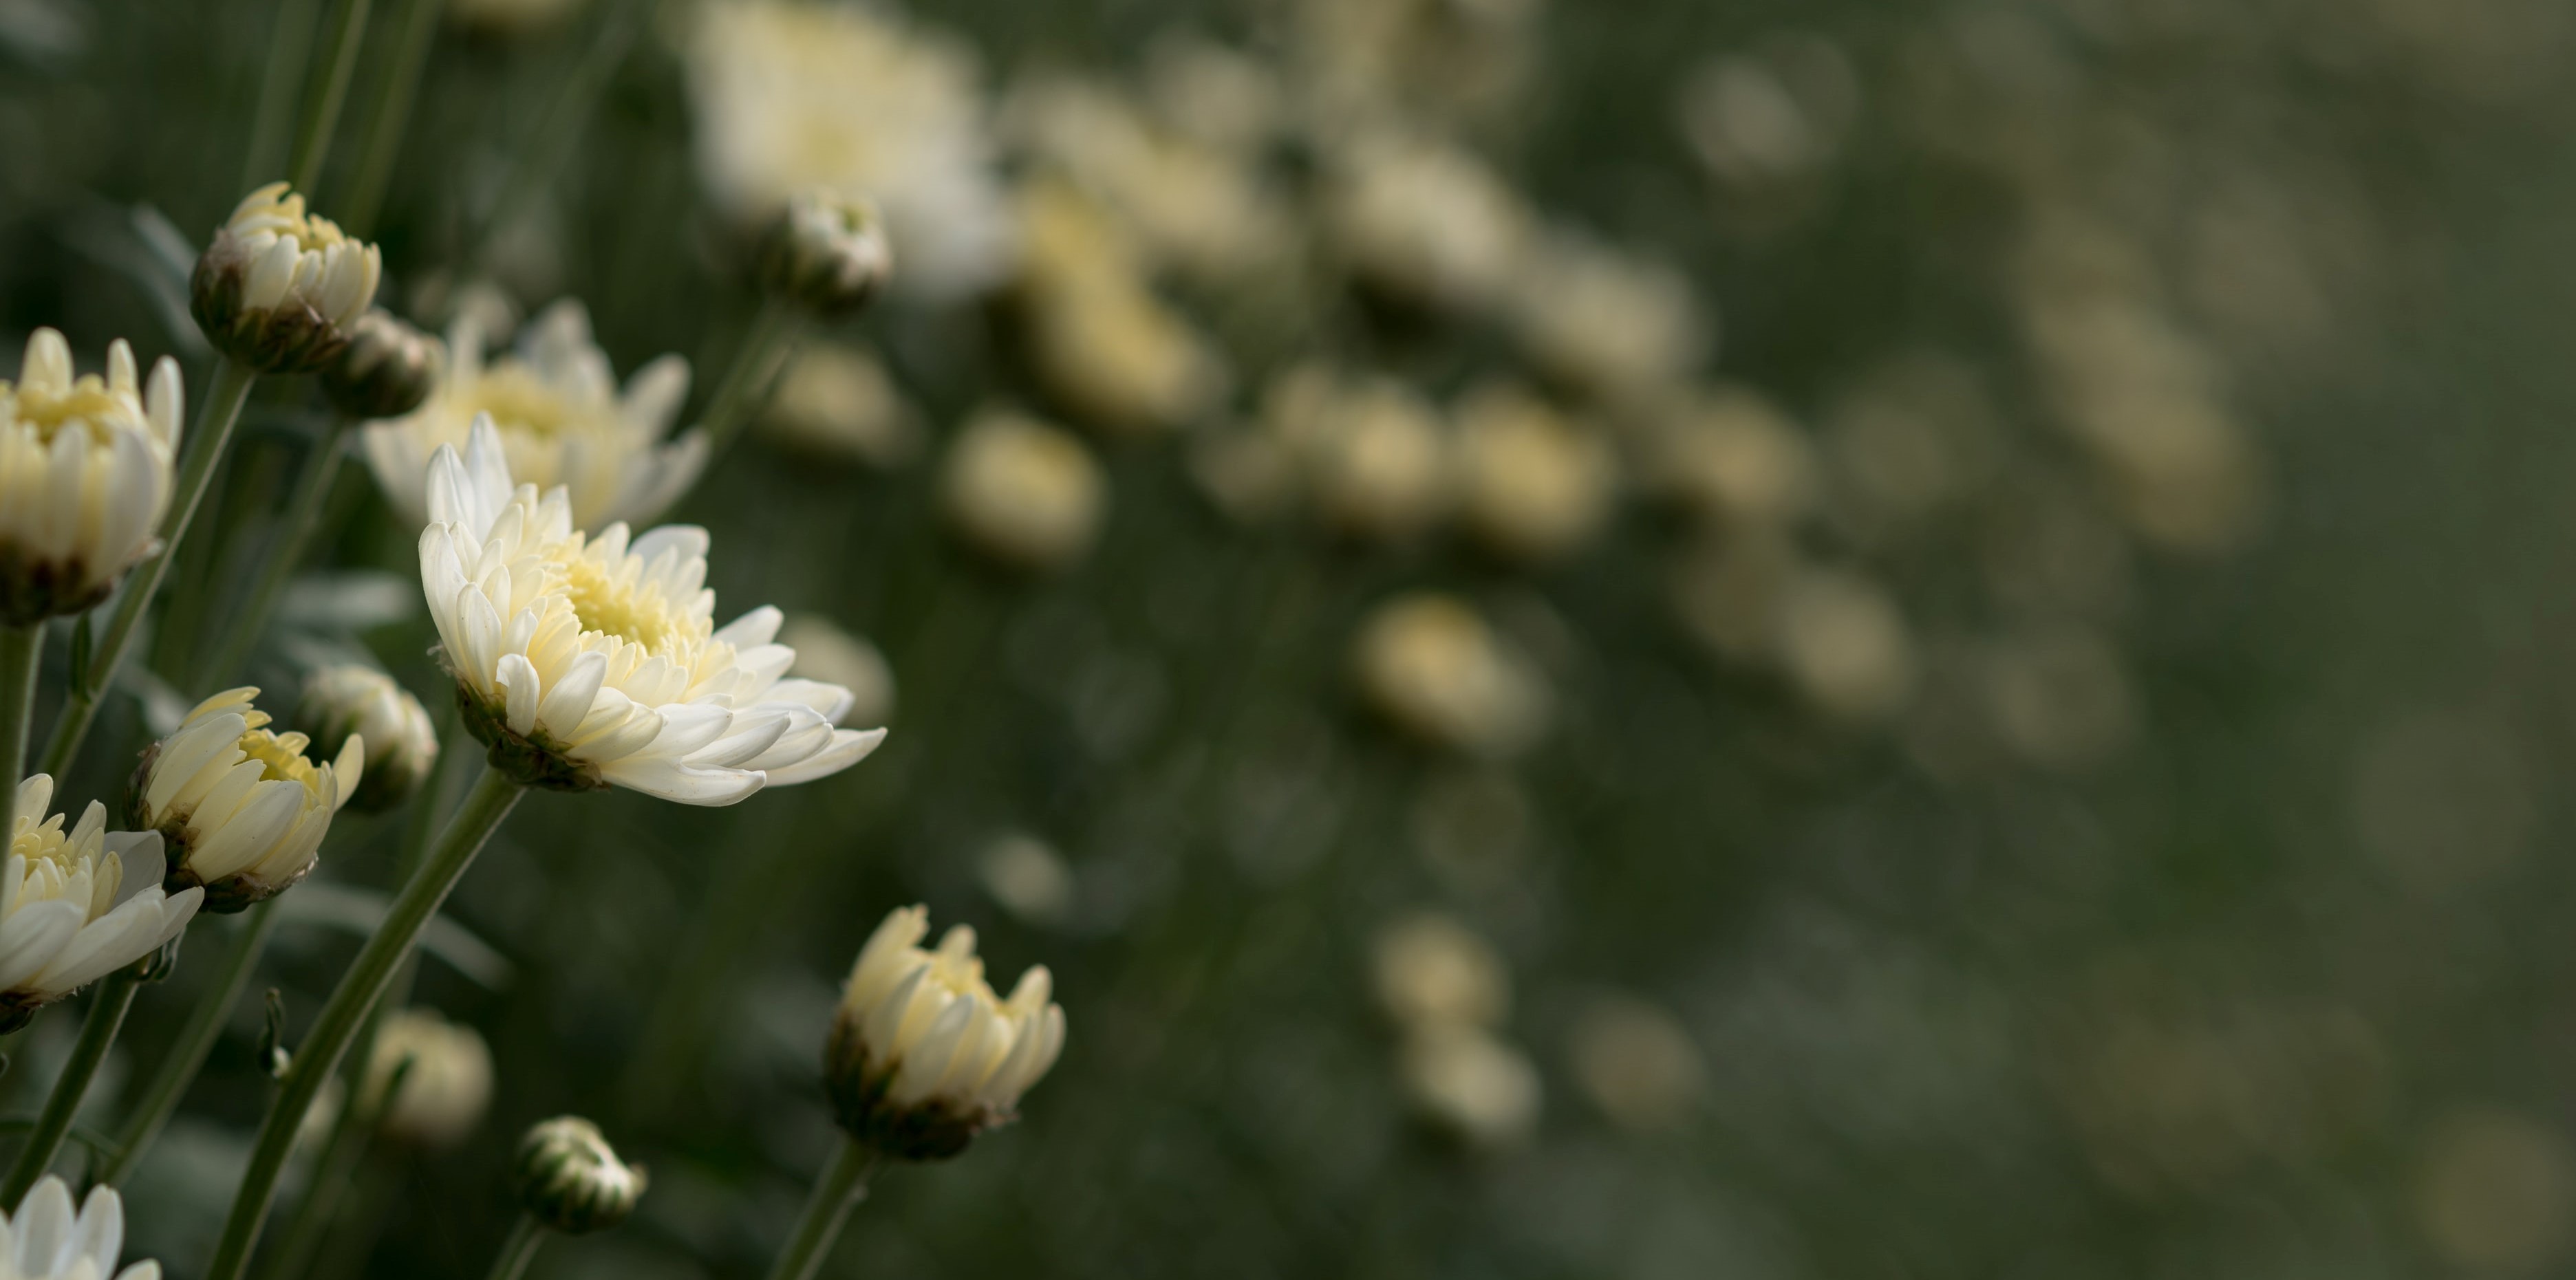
288, 47
766, 344
205, 448
184, 1059
519, 1248
322, 110
843, 1185
21, 652
302, 516
536, 163
491, 800
107, 1005
399, 87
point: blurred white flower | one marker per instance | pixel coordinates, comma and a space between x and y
1637, 1062
1374, 452
1431, 666
348, 700
1845, 644
589, 662
1472, 1084
827, 653
242, 809
1425, 223
561, 421
84, 476
837, 401
792, 96
1023, 492
1028, 877
1730, 455
1432, 972
278, 289
1532, 486
45, 1240
923, 1054
446, 1081
77, 906
1606, 321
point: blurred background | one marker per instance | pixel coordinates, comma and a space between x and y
1645, 639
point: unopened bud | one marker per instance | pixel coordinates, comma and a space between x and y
829, 253
277, 290
386, 371
401, 744
568, 1177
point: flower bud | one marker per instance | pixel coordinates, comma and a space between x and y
84, 476
350, 701
278, 290
1432, 667
923, 1055
828, 253
240, 809
386, 371
445, 1082
569, 1178
1024, 493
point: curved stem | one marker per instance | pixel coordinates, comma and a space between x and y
491, 800
107, 1006
519, 1248
322, 110
21, 652
843, 1185
295, 528
206, 446
400, 87
181, 1063
766, 344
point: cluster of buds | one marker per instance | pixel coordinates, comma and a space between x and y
827, 253
348, 703
569, 1178
85, 469
242, 810
923, 1056
279, 290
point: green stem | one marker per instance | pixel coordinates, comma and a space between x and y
491, 800
288, 47
322, 110
302, 516
205, 448
184, 1059
399, 88
766, 344
519, 1248
535, 164
843, 1185
107, 1005
21, 652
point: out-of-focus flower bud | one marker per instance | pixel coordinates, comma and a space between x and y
1531, 486
1637, 1062
1432, 972
1471, 1084
241, 810
826, 252
1433, 668
569, 1178
923, 1055
84, 476
346, 701
1378, 461
1022, 492
279, 290
446, 1080
1845, 644
838, 402
386, 371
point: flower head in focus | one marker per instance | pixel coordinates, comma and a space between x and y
827, 252
560, 418
924, 1055
351, 701
242, 809
43, 1239
1023, 493
84, 476
568, 1176
586, 662
445, 1081
791, 96
279, 289
77, 906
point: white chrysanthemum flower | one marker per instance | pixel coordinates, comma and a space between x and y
278, 289
243, 810
1022, 492
588, 662
77, 906
923, 1055
561, 418
796, 96
45, 1240
84, 476
352, 701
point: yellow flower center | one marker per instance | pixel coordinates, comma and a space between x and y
89, 403
518, 399
46, 840
614, 607
281, 758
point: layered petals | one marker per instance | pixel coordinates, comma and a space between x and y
85, 475
78, 904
